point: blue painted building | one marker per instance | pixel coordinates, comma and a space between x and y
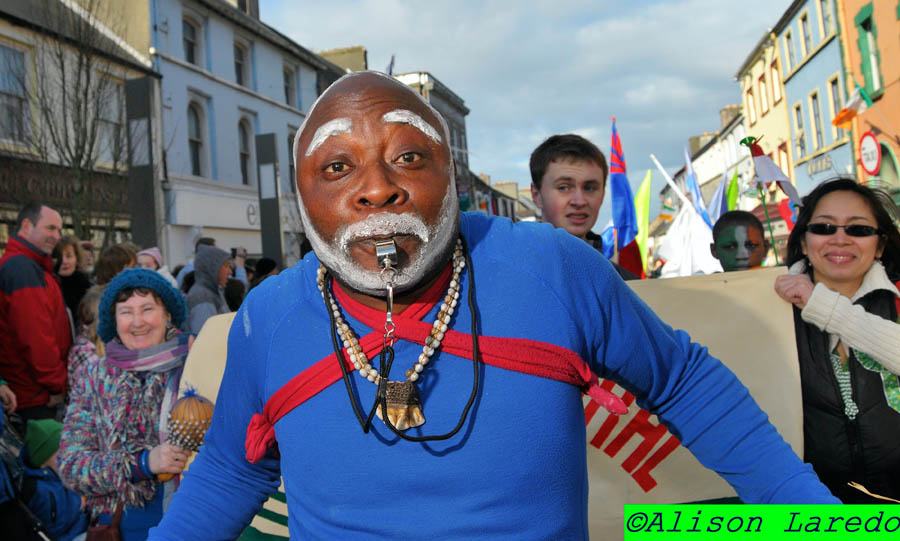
815, 89
226, 77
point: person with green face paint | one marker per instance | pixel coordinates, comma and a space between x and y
739, 241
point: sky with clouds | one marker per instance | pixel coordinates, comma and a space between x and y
528, 69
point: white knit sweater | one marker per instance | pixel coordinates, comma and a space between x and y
851, 324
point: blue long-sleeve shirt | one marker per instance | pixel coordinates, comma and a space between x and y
517, 468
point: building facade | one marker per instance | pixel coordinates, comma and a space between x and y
62, 109
872, 59
815, 90
226, 78
763, 104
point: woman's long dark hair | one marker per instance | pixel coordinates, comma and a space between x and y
880, 203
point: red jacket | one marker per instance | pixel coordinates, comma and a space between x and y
34, 326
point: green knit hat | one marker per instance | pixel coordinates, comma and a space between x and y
42, 439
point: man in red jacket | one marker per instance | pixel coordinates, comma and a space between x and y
34, 327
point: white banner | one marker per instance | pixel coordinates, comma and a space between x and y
738, 316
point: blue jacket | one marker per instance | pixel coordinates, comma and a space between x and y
58, 508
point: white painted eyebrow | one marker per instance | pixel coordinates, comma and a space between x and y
328, 129
405, 116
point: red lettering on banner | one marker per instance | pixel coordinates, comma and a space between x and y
642, 475
639, 425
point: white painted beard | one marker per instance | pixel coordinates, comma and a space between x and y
436, 241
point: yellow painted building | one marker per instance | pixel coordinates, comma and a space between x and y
763, 104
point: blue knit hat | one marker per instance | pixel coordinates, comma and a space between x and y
128, 278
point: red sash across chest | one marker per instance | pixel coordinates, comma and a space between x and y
518, 354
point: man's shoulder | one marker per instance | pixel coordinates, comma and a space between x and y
19, 272
501, 235
279, 293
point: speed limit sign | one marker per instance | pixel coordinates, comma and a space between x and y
869, 153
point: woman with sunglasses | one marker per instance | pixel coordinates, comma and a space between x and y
844, 257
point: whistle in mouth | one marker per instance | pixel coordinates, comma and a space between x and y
386, 253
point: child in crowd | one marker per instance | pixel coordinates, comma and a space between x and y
739, 241
58, 508
152, 259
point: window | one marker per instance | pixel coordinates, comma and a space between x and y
763, 96
805, 35
13, 110
189, 39
245, 153
776, 83
868, 49
292, 173
243, 6
751, 107
109, 125
834, 92
195, 139
290, 87
789, 45
816, 119
798, 125
783, 158
240, 65
827, 17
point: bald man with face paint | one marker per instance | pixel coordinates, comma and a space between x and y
353, 375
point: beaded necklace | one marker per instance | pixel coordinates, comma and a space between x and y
400, 399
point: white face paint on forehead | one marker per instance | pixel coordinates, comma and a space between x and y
331, 128
405, 116
445, 130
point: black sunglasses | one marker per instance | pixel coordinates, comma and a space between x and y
853, 230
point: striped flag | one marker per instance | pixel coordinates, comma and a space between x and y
857, 104
624, 216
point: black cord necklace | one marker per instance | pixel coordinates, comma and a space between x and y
386, 359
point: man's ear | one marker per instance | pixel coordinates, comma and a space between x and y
26, 228
713, 251
536, 196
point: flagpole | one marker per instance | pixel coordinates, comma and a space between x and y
762, 196
672, 184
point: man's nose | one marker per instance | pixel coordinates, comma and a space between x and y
379, 189
578, 199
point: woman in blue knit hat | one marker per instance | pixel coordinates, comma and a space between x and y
113, 437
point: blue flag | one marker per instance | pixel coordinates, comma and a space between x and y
718, 205
690, 181
609, 240
623, 214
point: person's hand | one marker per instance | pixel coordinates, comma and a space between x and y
191, 341
8, 398
55, 400
240, 256
794, 288
167, 458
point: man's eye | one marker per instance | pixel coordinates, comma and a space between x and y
409, 157
563, 188
336, 167
730, 246
752, 245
